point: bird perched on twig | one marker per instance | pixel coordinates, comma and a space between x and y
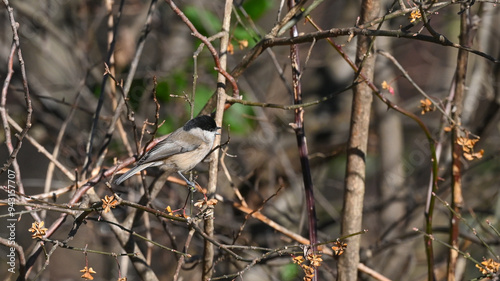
181, 151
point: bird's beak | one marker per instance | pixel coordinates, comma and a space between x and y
218, 128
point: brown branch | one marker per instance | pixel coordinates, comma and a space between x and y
257, 38
211, 240
434, 174
83, 189
182, 258
349, 31
298, 127
244, 204
9, 244
296, 237
415, 85
15, 46
42, 150
55, 152
218, 66
261, 46
13, 151
209, 227
232, 100
354, 189
3, 111
125, 88
259, 216
93, 129
457, 200
294, 12
128, 244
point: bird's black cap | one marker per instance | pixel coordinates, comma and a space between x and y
203, 122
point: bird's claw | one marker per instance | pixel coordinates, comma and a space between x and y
192, 186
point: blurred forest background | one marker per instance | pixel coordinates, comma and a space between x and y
75, 51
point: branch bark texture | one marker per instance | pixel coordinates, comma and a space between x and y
456, 185
208, 256
354, 189
298, 127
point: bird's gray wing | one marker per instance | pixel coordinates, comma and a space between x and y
167, 147
170, 146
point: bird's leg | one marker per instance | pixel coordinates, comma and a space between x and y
191, 184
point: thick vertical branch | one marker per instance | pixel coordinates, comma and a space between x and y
456, 185
298, 127
208, 258
356, 152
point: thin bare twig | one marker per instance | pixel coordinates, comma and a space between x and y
267, 42
125, 89
55, 152
42, 150
298, 127
100, 103
218, 65
3, 111
13, 151
259, 37
291, 106
19, 250
182, 258
415, 85
29, 109
243, 203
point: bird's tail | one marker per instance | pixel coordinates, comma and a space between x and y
133, 171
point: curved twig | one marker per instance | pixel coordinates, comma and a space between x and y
29, 109
213, 51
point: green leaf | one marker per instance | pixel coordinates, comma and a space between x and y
257, 8
163, 91
290, 272
237, 118
171, 124
174, 84
203, 94
180, 80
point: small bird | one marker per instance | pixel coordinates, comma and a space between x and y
181, 151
